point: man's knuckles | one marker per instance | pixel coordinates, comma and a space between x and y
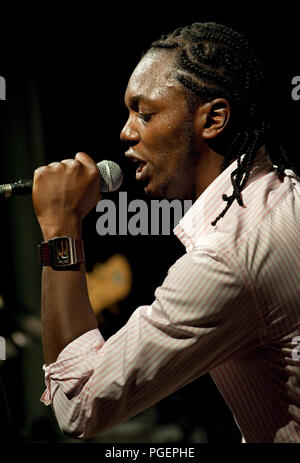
65, 173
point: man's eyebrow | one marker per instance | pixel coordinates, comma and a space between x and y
133, 100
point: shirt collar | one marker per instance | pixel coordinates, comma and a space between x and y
197, 221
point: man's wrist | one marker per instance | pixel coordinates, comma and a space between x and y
65, 229
48, 235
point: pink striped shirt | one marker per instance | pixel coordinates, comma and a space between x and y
230, 306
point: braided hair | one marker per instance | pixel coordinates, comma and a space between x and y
213, 61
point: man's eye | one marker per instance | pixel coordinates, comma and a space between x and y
145, 117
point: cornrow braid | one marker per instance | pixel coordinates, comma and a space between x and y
243, 169
214, 61
203, 72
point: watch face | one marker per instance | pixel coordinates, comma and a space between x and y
62, 252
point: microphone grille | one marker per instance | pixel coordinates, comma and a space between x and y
111, 175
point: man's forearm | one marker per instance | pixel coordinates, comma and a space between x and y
63, 193
66, 309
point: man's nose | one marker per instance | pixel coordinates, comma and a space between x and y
128, 133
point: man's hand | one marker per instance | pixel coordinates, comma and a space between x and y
63, 193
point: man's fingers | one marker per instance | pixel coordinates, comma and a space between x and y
88, 162
69, 162
85, 159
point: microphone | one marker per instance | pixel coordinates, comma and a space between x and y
111, 180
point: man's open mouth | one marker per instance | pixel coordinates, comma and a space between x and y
140, 169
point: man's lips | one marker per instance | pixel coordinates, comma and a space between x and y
141, 170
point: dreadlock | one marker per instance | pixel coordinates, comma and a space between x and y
215, 61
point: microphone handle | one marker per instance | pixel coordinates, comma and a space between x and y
21, 187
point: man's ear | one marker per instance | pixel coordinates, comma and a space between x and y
215, 116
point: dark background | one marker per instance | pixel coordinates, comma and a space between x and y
66, 73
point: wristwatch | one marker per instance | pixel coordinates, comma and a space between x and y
62, 253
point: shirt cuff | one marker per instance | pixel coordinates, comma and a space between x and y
69, 372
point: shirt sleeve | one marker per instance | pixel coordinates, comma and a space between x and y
202, 315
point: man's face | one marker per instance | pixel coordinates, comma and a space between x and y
160, 129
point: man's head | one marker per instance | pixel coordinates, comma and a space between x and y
168, 138
203, 85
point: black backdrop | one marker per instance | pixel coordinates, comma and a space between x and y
66, 73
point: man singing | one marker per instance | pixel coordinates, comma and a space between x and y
197, 129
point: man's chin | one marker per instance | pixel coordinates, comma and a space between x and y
153, 193
158, 193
